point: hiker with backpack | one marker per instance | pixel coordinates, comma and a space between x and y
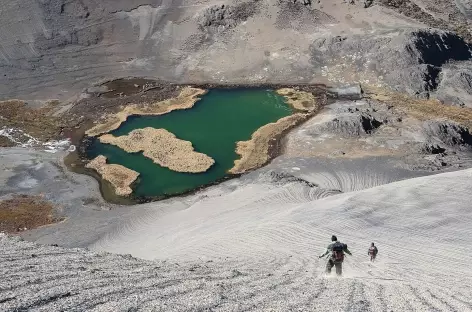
337, 250
372, 252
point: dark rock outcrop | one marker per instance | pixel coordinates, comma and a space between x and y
221, 17
434, 149
455, 85
409, 62
353, 125
449, 133
299, 15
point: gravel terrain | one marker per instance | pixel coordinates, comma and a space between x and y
265, 258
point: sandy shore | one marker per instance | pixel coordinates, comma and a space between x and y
163, 147
185, 100
256, 151
119, 176
299, 100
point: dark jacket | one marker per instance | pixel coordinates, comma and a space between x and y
329, 249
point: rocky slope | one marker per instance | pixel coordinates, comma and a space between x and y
405, 61
55, 49
264, 258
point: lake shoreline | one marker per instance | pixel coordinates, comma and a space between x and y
80, 159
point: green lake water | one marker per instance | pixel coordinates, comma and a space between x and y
220, 119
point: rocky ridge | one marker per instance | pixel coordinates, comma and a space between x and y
405, 61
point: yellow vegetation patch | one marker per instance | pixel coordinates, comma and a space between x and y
163, 147
38, 122
420, 108
119, 176
23, 212
299, 100
185, 100
256, 152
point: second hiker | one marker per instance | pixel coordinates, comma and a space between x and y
372, 252
337, 250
